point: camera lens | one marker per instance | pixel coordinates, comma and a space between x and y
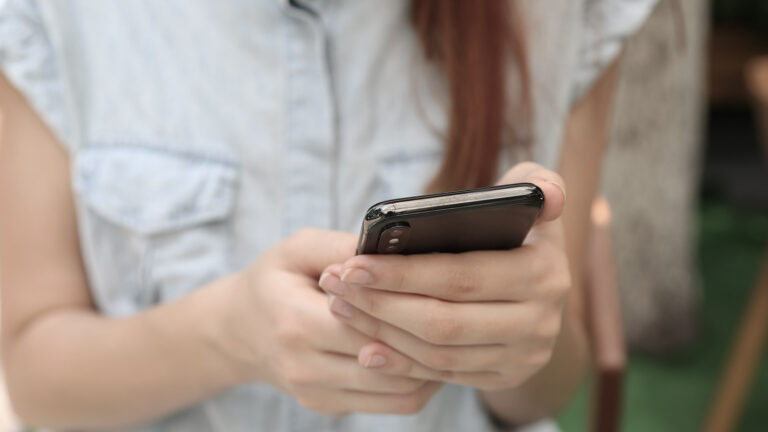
394, 238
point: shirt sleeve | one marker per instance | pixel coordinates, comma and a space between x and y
28, 61
606, 26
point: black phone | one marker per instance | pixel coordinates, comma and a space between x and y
491, 218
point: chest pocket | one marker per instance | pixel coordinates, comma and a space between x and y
154, 224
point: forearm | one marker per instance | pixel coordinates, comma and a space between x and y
550, 389
77, 369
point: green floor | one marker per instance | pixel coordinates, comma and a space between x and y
673, 394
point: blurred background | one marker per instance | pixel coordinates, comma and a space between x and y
691, 236
690, 227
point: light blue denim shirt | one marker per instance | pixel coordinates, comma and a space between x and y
201, 133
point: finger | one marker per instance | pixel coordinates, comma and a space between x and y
328, 333
548, 227
427, 360
311, 250
336, 269
344, 402
510, 275
399, 365
344, 372
548, 181
434, 320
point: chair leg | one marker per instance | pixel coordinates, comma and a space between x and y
605, 324
743, 362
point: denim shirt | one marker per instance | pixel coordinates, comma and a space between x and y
201, 133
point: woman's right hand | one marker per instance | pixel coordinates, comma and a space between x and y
277, 329
63, 359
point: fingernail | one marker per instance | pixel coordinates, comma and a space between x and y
322, 278
559, 186
333, 285
341, 307
375, 361
356, 276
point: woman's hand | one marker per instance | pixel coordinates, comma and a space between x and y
487, 319
69, 367
279, 330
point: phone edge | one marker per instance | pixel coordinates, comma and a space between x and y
380, 211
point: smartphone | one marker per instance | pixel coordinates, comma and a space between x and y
489, 218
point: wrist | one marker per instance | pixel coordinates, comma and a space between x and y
214, 320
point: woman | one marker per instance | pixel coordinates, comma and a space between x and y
156, 274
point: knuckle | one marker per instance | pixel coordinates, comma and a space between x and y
554, 279
565, 282
406, 385
316, 405
446, 375
371, 300
497, 359
364, 299
461, 283
439, 360
412, 404
510, 378
411, 369
540, 358
562, 275
538, 264
549, 329
377, 329
556, 287
441, 326
289, 331
416, 384
296, 377
401, 280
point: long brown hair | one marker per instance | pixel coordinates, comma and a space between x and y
474, 42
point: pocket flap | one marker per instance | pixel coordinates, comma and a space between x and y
153, 190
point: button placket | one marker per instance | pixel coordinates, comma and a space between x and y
309, 152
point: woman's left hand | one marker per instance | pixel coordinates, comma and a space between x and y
486, 319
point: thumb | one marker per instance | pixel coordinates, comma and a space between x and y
311, 250
550, 183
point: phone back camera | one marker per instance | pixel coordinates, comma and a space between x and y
394, 238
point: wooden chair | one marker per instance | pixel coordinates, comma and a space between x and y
745, 355
605, 326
